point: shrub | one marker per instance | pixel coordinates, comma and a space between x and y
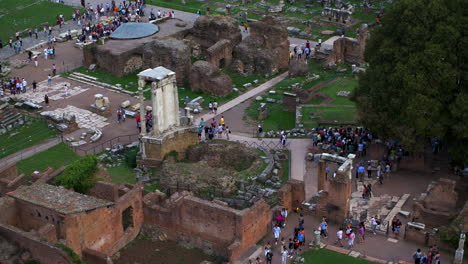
74, 257
80, 174
32, 261
130, 157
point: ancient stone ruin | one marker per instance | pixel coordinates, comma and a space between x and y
94, 226
208, 78
348, 50
168, 132
334, 190
265, 50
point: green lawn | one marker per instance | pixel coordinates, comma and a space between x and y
18, 15
25, 136
325, 256
126, 174
109, 78
337, 115
55, 157
344, 84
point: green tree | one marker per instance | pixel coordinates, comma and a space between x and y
80, 174
415, 86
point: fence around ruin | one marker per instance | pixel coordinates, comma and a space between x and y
269, 145
101, 147
30, 151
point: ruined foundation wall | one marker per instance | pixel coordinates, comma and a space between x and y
178, 141
102, 229
208, 225
291, 195
43, 251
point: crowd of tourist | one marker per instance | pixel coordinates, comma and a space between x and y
214, 129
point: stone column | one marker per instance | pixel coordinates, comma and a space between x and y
459, 253
142, 118
321, 175
142, 109
154, 97
176, 102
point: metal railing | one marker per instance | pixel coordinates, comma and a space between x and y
101, 147
269, 145
30, 151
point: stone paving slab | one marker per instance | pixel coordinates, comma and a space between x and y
84, 118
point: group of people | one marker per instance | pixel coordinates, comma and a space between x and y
303, 51
16, 86
344, 140
213, 129
432, 256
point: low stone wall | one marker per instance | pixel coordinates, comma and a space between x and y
156, 148
9, 179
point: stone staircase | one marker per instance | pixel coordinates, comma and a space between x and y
93, 81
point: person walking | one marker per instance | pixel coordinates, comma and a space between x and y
215, 107
54, 70
417, 256
46, 100
361, 233
352, 236
49, 80
34, 86
323, 229
269, 257
119, 116
276, 233
374, 224
339, 237
284, 255
36, 61
227, 131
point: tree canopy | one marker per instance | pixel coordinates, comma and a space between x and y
80, 174
415, 87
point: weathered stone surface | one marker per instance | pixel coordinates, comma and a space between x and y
348, 50
208, 30
298, 68
208, 78
172, 54
265, 50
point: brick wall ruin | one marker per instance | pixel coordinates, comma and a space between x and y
436, 206
211, 226
349, 50
9, 179
220, 54
334, 196
104, 229
292, 194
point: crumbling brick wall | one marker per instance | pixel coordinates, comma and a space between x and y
220, 54
208, 225
102, 229
291, 195
9, 179
43, 251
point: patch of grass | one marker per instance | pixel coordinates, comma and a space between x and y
325, 256
186, 91
55, 157
31, 133
239, 80
18, 15
345, 84
109, 78
338, 115
125, 174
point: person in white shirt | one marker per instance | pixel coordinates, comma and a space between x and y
276, 233
374, 224
339, 236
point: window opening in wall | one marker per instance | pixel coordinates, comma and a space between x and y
127, 218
